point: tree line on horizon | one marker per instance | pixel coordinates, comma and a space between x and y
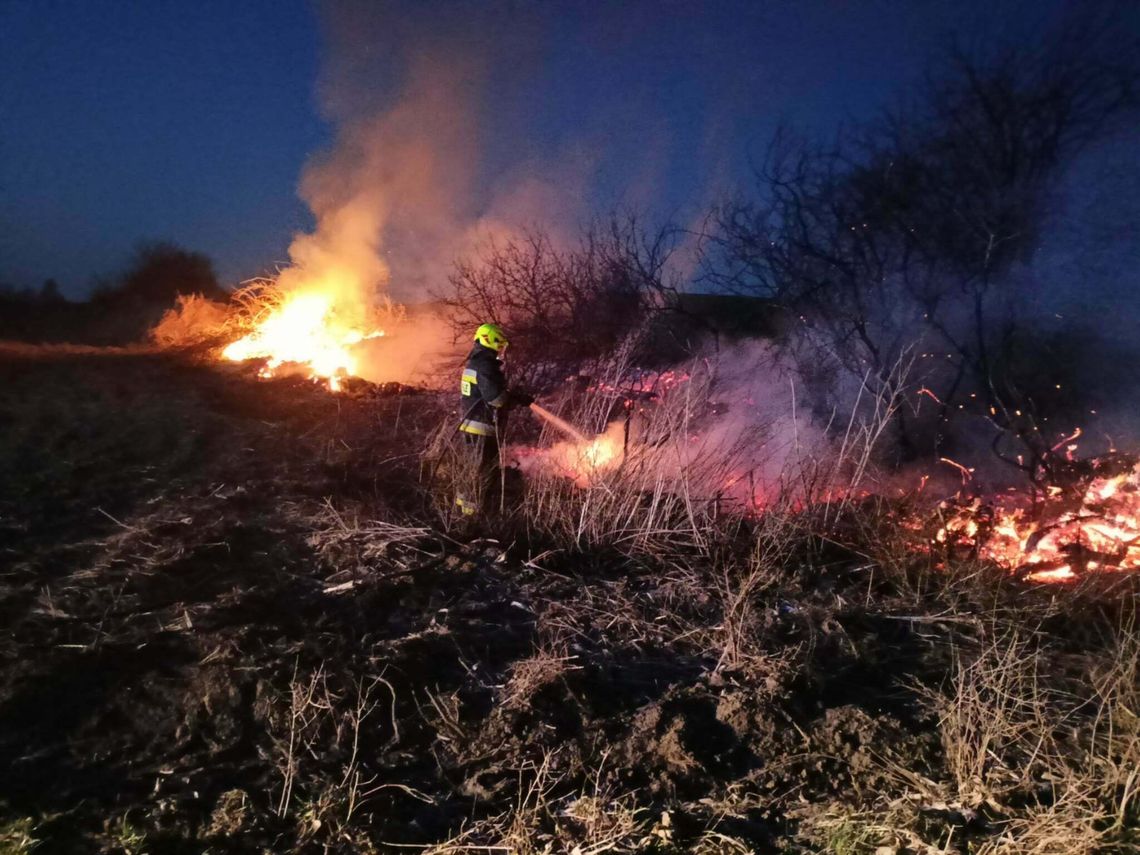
120, 310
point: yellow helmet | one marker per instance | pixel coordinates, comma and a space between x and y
492, 336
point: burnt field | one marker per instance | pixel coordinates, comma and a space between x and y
235, 618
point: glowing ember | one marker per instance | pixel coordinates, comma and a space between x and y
1058, 574
306, 331
1092, 526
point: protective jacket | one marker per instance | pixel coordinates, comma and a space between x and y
482, 392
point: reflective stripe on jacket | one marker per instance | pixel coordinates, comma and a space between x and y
482, 390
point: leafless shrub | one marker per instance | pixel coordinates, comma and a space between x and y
589, 822
916, 223
529, 675
1047, 749
567, 308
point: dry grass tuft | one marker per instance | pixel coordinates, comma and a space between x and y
316, 720
591, 822
194, 320
17, 836
1040, 751
530, 675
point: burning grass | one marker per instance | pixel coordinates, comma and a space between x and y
666, 463
639, 477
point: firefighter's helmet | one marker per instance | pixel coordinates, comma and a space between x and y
492, 336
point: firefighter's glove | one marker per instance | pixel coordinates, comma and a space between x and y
519, 399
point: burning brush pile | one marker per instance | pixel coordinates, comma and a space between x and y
306, 330
1089, 524
312, 329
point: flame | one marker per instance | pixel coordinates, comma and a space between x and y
307, 330
584, 462
1087, 528
599, 453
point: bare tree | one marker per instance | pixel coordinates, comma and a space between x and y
906, 230
566, 309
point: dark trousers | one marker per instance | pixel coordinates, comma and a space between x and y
479, 484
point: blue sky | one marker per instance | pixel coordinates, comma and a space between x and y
124, 121
192, 121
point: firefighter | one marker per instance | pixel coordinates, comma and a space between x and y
484, 399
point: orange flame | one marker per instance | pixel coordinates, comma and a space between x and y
585, 462
304, 330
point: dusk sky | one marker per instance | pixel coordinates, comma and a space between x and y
193, 122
